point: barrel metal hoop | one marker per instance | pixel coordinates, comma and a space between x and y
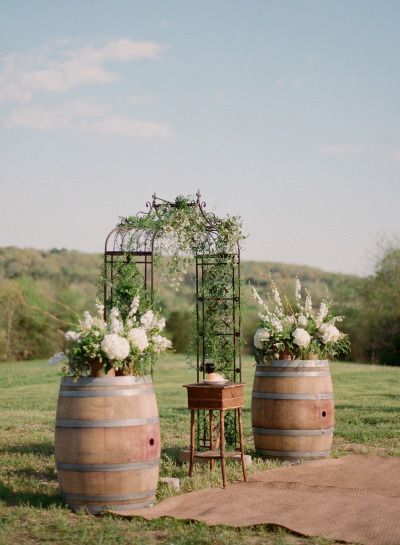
106, 381
292, 374
121, 423
107, 467
106, 393
115, 497
275, 431
300, 364
294, 454
94, 509
268, 395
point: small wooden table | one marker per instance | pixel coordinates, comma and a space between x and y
215, 397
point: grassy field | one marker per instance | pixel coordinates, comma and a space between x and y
31, 509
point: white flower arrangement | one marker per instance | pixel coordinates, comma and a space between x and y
130, 346
300, 331
137, 338
301, 337
115, 347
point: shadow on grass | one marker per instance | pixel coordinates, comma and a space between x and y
169, 412
40, 449
27, 472
33, 499
171, 453
362, 408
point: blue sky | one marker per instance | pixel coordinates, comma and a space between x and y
283, 112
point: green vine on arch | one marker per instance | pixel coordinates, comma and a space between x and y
194, 230
175, 233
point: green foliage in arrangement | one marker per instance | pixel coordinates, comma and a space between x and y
130, 346
297, 329
31, 506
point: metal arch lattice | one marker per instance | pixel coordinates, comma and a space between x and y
117, 256
225, 331
225, 306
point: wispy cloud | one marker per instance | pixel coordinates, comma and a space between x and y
293, 83
62, 68
342, 149
27, 79
113, 124
396, 156
84, 116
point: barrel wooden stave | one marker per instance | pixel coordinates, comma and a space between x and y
293, 409
300, 384
107, 443
114, 445
298, 443
98, 409
137, 484
293, 414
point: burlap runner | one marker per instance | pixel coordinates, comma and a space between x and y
354, 499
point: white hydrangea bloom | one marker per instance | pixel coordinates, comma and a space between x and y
72, 336
330, 334
261, 335
301, 337
302, 320
115, 347
147, 319
160, 343
138, 338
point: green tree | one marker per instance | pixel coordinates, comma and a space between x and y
381, 306
10, 305
180, 329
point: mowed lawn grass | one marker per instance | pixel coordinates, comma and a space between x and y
31, 509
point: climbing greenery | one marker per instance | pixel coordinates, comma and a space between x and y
174, 233
185, 228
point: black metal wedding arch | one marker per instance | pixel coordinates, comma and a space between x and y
218, 319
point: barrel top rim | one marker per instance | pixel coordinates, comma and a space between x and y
294, 363
106, 381
300, 361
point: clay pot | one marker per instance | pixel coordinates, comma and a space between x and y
97, 370
285, 355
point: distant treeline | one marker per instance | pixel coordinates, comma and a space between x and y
42, 294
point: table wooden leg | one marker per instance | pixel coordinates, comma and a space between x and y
222, 445
191, 461
210, 416
241, 442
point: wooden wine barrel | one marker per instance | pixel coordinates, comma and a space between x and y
292, 409
107, 443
